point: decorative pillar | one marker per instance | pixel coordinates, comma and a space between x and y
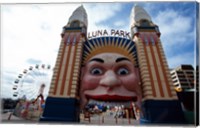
62, 103
159, 102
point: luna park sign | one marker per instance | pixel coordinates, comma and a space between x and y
112, 32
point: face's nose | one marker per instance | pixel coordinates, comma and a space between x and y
110, 79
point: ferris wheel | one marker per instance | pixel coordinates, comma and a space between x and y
33, 82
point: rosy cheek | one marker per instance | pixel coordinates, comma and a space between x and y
90, 82
130, 82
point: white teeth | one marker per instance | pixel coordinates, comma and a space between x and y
111, 104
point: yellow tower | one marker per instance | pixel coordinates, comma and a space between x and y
62, 103
159, 96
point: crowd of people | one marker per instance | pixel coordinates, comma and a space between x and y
114, 111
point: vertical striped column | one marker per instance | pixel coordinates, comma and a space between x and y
145, 72
57, 67
155, 76
76, 67
163, 67
67, 69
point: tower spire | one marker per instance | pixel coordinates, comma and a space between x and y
138, 14
79, 15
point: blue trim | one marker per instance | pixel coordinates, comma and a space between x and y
72, 28
162, 112
147, 27
61, 110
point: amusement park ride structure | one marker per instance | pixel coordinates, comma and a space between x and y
31, 88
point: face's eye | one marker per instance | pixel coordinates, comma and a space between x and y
96, 71
122, 71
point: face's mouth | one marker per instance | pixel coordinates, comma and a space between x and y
111, 100
107, 97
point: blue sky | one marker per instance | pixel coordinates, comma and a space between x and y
30, 33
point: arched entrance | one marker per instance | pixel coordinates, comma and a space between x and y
109, 81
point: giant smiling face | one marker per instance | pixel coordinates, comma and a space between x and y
110, 77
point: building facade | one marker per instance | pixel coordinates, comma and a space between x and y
183, 77
159, 99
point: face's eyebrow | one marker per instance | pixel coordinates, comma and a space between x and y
121, 59
97, 59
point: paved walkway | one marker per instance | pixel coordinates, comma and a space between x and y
108, 120
94, 120
7, 118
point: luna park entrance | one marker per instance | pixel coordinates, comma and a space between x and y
110, 113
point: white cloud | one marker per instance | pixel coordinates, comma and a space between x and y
119, 23
174, 25
30, 32
98, 13
177, 32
